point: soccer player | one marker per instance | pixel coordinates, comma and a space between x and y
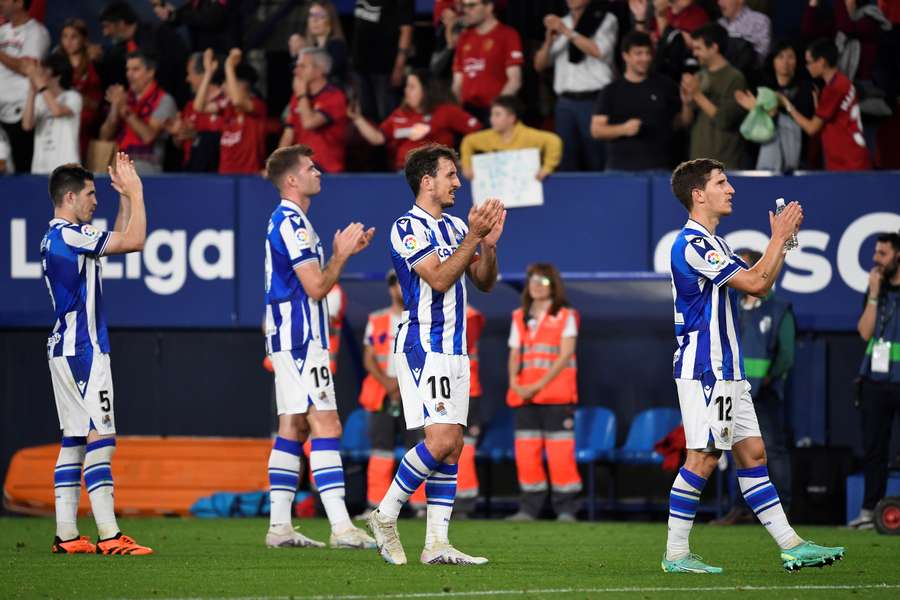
296, 328
430, 251
78, 347
716, 407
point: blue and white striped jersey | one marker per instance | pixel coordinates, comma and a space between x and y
706, 324
70, 260
432, 321
293, 319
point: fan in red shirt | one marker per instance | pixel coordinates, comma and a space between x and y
837, 114
317, 113
488, 59
74, 42
683, 15
199, 131
416, 122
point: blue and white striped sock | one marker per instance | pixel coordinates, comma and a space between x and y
328, 473
284, 477
67, 486
440, 490
416, 466
761, 497
99, 482
683, 501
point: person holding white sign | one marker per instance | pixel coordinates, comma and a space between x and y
508, 133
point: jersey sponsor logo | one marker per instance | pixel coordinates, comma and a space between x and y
410, 242
90, 231
53, 340
713, 258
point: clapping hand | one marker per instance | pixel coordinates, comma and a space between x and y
124, 177
482, 219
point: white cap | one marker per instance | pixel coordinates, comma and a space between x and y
779, 202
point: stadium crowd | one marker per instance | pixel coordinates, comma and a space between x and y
214, 85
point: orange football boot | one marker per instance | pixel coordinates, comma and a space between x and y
78, 545
121, 545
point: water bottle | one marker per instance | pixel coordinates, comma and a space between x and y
791, 243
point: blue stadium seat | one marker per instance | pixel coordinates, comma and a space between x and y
355, 440
499, 437
648, 427
595, 434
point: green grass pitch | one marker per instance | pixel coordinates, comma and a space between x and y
227, 558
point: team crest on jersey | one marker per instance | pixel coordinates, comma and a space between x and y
713, 258
90, 231
725, 432
302, 235
410, 243
765, 324
107, 420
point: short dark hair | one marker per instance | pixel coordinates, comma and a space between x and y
118, 11
424, 161
824, 48
283, 160
510, 103
712, 33
636, 39
691, 175
890, 238
60, 66
67, 178
149, 60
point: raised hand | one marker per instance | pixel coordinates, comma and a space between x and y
234, 57
124, 176
483, 218
365, 240
787, 223
347, 241
210, 64
493, 237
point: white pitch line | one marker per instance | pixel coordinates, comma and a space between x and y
555, 591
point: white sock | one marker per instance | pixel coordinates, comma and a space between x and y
440, 489
416, 466
328, 473
99, 482
683, 501
67, 486
284, 476
761, 497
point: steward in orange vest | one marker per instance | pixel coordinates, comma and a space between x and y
542, 375
337, 306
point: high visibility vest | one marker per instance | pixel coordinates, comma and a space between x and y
372, 393
337, 306
539, 349
474, 327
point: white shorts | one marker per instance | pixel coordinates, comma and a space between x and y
716, 413
434, 388
83, 390
303, 379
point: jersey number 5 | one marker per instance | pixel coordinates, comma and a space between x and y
104, 400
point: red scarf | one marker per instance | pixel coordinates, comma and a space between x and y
143, 107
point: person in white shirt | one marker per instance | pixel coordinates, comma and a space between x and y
22, 40
53, 111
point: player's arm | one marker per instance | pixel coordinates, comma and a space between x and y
124, 214
126, 181
318, 282
758, 280
483, 272
441, 276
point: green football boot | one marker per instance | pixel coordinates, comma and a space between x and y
688, 564
809, 554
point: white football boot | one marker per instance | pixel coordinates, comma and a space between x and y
285, 536
351, 538
387, 539
445, 554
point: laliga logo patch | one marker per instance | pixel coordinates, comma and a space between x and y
90, 231
302, 236
713, 258
409, 242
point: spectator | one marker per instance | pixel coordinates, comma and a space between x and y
22, 40
120, 24
206, 22
322, 29
879, 374
199, 131
488, 59
508, 133
681, 15
542, 392
783, 152
674, 22
317, 113
580, 47
859, 26
137, 118
448, 24
418, 121
768, 340
382, 43
53, 111
747, 24
6, 162
711, 107
837, 113
637, 113
74, 43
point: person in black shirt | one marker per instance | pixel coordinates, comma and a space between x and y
637, 113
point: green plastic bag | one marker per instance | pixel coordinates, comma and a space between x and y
758, 125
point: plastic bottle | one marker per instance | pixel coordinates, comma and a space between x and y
791, 243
